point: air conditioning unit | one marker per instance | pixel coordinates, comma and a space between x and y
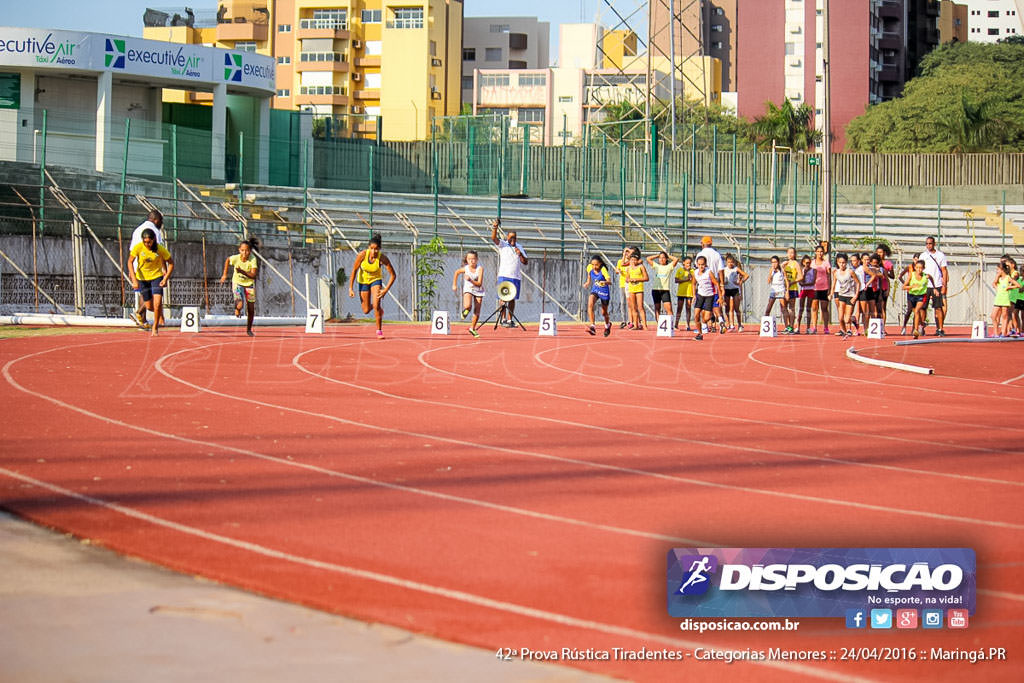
794, 61
356, 44
357, 109
357, 77
435, 62
435, 95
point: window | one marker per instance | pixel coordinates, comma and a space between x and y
717, 45
790, 49
284, 93
565, 99
323, 57
994, 13
993, 32
469, 54
372, 81
500, 28
321, 90
334, 19
407, 17
531, 116
493, 80
716, 28
532, 80
492, 54
284, 28
467, 82
286, 59
433, 48
371, 16
245, 46
719, 11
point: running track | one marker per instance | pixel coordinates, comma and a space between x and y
522, 492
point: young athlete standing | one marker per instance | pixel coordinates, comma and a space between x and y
807, 278
822, 284
367, 269
734, 277
1003, 283
845, 287
918, 286
599, 281
684, 293
778, 290
661, 286
636, 276
793, 272
472, 288
244, 268
705, 285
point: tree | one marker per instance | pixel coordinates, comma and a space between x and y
787, 125
968, 97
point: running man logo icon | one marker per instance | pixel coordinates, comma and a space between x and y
697, 581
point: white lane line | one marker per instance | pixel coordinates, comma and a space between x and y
1014, 379
473, 445
854, 355
691, 440
406, 584
344, 475
888, 385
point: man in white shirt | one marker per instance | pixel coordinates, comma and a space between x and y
936, 265
716, 264
511, 258
155, 222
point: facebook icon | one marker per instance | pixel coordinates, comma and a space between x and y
856, 618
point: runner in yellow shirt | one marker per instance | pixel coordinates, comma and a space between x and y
147, 263
245, 269
684, 292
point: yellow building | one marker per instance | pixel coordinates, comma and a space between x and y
364, 63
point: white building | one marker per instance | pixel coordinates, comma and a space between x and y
991, 20
502, 43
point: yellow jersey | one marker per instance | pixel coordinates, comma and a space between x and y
239, 278
369, 271
792, 271
622, 265
685, 279
149, 265
635, 272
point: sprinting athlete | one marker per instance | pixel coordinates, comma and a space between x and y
599, 281
245, 269
367, 269
472, 288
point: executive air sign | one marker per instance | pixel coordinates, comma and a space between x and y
94, 52
817, 582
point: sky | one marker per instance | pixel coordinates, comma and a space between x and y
124, 17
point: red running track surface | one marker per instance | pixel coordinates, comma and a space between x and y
517, 491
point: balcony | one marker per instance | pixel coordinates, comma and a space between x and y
890, 73
323, 61
323, 28
322, 94
371, 60
891, 10
368, 125
240, 29
517, 41
369, 94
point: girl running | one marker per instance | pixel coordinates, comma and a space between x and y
661, 288
884, 252
684, 291
807, 278
778, 290
845, 288
793, 273
705, 288
472, 288
918, 284
599, 281
636, 276
1003, 283
154, 265
367, 268
822, 285
734, 279
244, 269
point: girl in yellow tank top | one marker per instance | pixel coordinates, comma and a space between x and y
636, 276
367, 270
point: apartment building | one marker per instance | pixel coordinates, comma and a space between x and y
370, 67
502, 43
993, 20
953, 22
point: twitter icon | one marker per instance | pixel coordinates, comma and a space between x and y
881, 618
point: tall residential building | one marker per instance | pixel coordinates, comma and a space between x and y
503, 43
953, 22
993, 20
362, 63
703, 27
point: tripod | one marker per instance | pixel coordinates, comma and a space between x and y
499, 312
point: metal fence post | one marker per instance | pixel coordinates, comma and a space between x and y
735, 176
753, 185
373, 179
174, 178
241, 162
124, 170
622, 185
524, 186
1002, 236
42, 180
938, 215
433, 146
503, 142
686, 216
565, 125
714, 170
304, 153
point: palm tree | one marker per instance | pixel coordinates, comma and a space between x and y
787, 125
970, 126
